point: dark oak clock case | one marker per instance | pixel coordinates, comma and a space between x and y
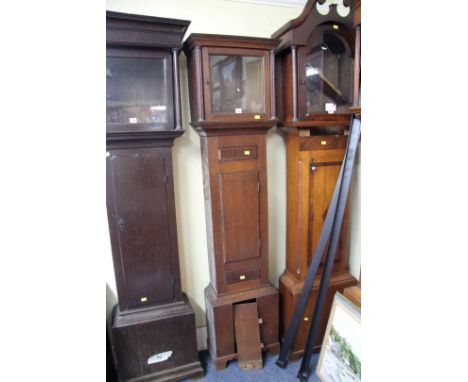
314, 71
231, 84
153, 329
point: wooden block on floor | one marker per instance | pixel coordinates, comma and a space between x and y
247, 330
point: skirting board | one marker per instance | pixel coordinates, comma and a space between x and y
202, 338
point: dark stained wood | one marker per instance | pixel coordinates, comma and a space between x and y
209, 115
111, 372
153, 318
231, 128
175, 76
139, 335
297, 31
294, 81
143, 228
228, 41
124, 29
249, 347
235, 188
198, 47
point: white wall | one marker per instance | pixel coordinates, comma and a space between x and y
234, 18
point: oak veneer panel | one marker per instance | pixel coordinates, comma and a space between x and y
322, 184
235, 200
240, 212
312, 171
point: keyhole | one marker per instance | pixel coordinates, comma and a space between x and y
121, 223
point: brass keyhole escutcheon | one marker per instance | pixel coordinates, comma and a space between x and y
247, 152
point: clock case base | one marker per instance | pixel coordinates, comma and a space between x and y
290, 290
221, 326
137, 335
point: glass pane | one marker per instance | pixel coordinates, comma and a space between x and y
237, 84
136, 90
328, 74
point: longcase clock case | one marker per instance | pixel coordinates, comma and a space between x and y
153, 328
231, 84
315, 89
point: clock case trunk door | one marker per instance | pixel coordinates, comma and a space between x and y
141, 211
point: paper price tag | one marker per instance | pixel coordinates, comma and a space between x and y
160, 357
330, 107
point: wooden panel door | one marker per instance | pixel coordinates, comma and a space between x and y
137, 182
240, 213
237, 205
322, 182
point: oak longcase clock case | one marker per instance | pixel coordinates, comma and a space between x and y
231, 85
316, 82
153, 328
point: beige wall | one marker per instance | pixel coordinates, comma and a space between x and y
235, 18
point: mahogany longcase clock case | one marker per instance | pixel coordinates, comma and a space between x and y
231, 82
153, 328
316, 82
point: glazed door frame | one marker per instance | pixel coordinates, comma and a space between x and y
224, 116
166, 57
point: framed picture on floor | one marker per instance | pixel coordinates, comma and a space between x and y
340, 356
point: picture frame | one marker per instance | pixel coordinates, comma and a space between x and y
339, 359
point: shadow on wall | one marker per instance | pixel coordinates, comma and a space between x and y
111, 300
